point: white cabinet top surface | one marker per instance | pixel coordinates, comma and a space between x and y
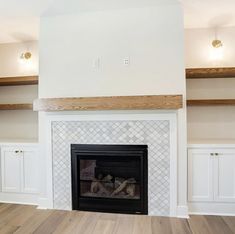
211, 143
12, 142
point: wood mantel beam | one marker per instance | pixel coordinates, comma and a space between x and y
110, 103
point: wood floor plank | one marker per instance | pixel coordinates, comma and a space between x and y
161, 225
51, 223
199, 225
142, 225
69, 222
217, 225
4, 207
19, 219
34, 222
10, 212
86, 224
8, 229
22, 219
124, 224
180, 226
230, 221
104, 227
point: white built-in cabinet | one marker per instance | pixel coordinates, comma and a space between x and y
19, 169
211, 175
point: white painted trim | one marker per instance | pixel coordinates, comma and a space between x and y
16, 144
173, 166
109, 116
214, 214
19, 202
43, 204
212, 208
19, 198
211, 146
182, 212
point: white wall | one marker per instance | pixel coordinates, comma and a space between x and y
210, 122
72, 43
18, 124
69, 45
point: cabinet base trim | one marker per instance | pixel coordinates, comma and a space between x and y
182, 212
44, 203
211, 208
16, 198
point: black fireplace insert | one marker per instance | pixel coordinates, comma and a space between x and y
110, 178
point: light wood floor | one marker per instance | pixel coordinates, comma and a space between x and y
27, 219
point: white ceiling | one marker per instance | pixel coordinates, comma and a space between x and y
19, 19
18, 29
208, 13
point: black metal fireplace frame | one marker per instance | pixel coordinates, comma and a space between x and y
113, 205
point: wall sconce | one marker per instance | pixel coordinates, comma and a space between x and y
27, 55
217, 43
26, 61
217, 49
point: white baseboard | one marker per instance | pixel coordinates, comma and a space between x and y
211, 208
16, 198
44, 203
182, 212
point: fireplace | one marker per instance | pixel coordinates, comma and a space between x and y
109, 178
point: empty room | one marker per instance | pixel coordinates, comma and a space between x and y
117, 117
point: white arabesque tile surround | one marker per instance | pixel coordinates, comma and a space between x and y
157, 130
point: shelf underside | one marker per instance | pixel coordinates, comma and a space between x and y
22, 106
19, 80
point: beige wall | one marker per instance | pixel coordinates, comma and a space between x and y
18, 124
210, 122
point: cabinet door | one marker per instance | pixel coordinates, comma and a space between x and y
200, 175
11, 170
30, 171
224, 176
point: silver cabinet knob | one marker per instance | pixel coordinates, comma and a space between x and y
212, 154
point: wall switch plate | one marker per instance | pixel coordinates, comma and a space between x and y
96, 63
126, 61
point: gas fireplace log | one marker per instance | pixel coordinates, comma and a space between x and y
120, 188
97, 187
94, 187
130, 190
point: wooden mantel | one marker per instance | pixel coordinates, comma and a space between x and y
110, 103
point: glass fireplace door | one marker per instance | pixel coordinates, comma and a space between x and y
110, 177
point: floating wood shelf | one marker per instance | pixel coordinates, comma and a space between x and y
110, 103
19, 80
23, 106
211, 102
218, 72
